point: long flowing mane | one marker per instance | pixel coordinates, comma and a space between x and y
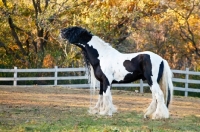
91, 78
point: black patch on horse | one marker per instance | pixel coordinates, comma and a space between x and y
92, 55
140, 67
160, 73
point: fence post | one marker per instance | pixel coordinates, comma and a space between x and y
186, 82
55, 76
15, 77
141, 86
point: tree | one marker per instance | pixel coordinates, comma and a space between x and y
27, 28
30, 30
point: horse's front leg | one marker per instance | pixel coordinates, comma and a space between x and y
107, 107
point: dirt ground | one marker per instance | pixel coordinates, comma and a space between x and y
62, 98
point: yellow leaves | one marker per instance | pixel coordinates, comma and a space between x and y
181, 21
10, 5
1, 4
194, 20
87, 20
147, 5
148, 20
189, 47
112, 2
131, 6
141, 5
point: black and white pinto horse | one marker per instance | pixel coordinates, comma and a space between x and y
110, 66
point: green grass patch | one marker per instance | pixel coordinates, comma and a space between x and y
51, 119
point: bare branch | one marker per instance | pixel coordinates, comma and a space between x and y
190, 12
38, 6
36, 9
15, 36
4, 2
46, 4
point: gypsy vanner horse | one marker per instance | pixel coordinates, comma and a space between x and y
110, 66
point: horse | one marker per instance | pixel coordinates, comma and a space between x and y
109, 66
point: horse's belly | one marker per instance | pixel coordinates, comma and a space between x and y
114, 69
119, 74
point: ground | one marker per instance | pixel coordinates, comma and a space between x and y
16, 103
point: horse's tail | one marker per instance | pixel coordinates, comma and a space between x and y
166, 83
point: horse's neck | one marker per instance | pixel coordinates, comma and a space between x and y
100, 45
97, 48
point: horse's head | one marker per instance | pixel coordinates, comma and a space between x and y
76, 35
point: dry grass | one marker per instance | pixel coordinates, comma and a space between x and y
36, 108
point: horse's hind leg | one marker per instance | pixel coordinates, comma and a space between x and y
161, 108
152, 107
157, 106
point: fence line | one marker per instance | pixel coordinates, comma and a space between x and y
56, 78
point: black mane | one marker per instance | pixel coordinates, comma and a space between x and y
76, 35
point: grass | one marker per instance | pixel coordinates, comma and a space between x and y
72, 119
52, 109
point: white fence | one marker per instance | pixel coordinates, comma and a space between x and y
15, 78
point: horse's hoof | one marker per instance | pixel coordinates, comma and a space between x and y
159, 116
93, 111
102, 113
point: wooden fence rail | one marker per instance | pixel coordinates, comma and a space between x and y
186, 81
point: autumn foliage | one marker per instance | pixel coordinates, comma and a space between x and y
29, 35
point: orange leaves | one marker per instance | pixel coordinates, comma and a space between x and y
48, 61
179, 1
131, 6
148, 24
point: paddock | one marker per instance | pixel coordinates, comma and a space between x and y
31, 105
